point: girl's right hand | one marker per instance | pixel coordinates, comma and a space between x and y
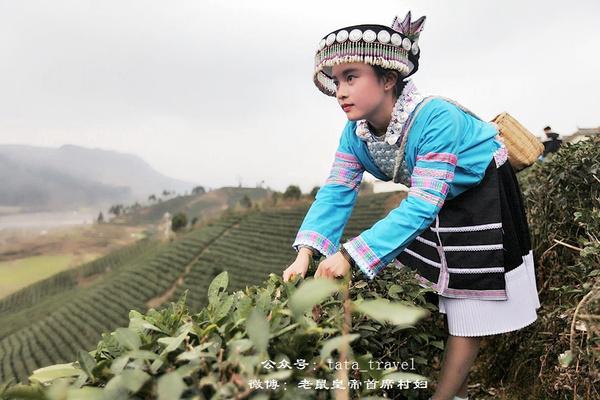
300, 266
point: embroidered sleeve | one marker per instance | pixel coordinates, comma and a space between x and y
436, 159
327, 216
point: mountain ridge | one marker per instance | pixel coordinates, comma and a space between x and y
40, 178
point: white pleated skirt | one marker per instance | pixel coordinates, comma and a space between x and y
474, 317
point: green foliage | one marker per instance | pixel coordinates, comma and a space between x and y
562, 349
198, 190
246, 202
178, 222
116, 209
52, 329
250, 335
48, 323
292, 192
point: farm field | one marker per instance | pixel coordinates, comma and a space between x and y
19, 273
48, 322
30, 255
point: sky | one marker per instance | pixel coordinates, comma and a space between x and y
220, 92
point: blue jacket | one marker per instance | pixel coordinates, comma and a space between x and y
446, 153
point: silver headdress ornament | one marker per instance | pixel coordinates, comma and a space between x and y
411, 30
395, 47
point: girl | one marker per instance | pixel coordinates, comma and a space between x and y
462, 226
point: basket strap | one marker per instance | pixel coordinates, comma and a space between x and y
409, 123
456, 103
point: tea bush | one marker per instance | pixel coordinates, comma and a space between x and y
558, 356
285, 336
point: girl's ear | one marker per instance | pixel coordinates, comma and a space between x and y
391, 78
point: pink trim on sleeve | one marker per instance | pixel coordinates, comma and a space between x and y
346, 170
449, 158
364, 256
428, 197
434, 172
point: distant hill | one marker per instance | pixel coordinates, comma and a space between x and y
42, 178
203, 206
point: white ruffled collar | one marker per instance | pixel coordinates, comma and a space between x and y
406, 103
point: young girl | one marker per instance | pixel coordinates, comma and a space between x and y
462, 226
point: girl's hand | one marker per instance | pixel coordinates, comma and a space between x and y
333, 266
300, 266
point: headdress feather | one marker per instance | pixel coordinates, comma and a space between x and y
408, 28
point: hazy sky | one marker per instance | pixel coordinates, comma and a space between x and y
217, 92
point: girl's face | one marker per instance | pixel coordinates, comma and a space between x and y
358, 87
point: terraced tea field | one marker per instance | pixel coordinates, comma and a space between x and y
48, 322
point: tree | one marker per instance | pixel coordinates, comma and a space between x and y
292, 192
313, 192
179, 221
100, 218
198, 190
246, 202
116, 209
152, 198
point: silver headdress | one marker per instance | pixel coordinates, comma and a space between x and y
395, 47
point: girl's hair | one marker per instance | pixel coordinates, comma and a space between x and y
382, 72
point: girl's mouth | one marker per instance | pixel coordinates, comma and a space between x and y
346, 108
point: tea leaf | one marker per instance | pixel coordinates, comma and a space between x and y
311, 292
383, 310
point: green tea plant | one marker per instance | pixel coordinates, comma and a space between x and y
559, 355
280, 340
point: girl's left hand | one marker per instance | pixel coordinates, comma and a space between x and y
333, 266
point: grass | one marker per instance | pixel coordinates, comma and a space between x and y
17, 274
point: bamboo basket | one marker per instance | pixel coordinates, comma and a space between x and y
523, 147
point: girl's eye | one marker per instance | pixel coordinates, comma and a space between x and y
350, 76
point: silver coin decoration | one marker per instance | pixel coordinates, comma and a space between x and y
369, 36
330, 39
383, 37
415, 48
342, 36
384, 156
396, 39
355, 35
321, 44
406, 44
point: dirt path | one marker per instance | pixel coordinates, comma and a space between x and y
166, 295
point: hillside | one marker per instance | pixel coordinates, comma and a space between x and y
69, 316
199, 350
31, 188
43, 178
203, 206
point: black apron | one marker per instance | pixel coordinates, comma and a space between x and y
476, 238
